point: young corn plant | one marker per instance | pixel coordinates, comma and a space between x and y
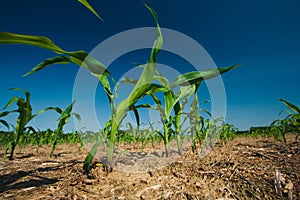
278, 129
290, 124
188, 84
62, 121
198, 127
25, 116
148, 135
227, 132
141, 88
294, 113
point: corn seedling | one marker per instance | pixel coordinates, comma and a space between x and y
25, 115
143, 85
227, 132
62, 121
290, 124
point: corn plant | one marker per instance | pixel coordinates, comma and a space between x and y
62, 121
198, 125
141, 88
294, 114
227, 132
148, 135
278, 129
25, 116
155, 137
188, 84
290, 124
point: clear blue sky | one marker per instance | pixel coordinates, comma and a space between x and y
263, 36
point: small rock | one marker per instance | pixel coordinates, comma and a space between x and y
289, 186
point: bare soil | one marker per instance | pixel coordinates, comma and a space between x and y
245, 168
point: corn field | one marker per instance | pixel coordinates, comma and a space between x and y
176, 95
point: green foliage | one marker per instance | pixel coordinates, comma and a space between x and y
3, 122
62, 121
291, 124
141, 88
88, 6
24, 117
227, 132
175, 96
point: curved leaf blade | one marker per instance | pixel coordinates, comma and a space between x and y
4, 123
196, 77
47, 62
80, 58
88, 6
39, 41
290, 106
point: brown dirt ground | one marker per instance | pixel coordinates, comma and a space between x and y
245, 168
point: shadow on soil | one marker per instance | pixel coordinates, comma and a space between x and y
7, 181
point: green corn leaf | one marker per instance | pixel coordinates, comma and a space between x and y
10, 102
78, 117
106, 86
27, 94
88, 6
196, 77
143, 106
38, 113
30, 128
290, 106
57, 109
69, 108
3, 114
47, 62
171, 100
4, 123
81, 58
153, 87
134, 108
89, 158
125, 80
144, 83
207, 112
161, 79
39, 41
90, 63
137, 116
138, 64
154, 14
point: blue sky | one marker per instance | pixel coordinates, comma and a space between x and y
263, 36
